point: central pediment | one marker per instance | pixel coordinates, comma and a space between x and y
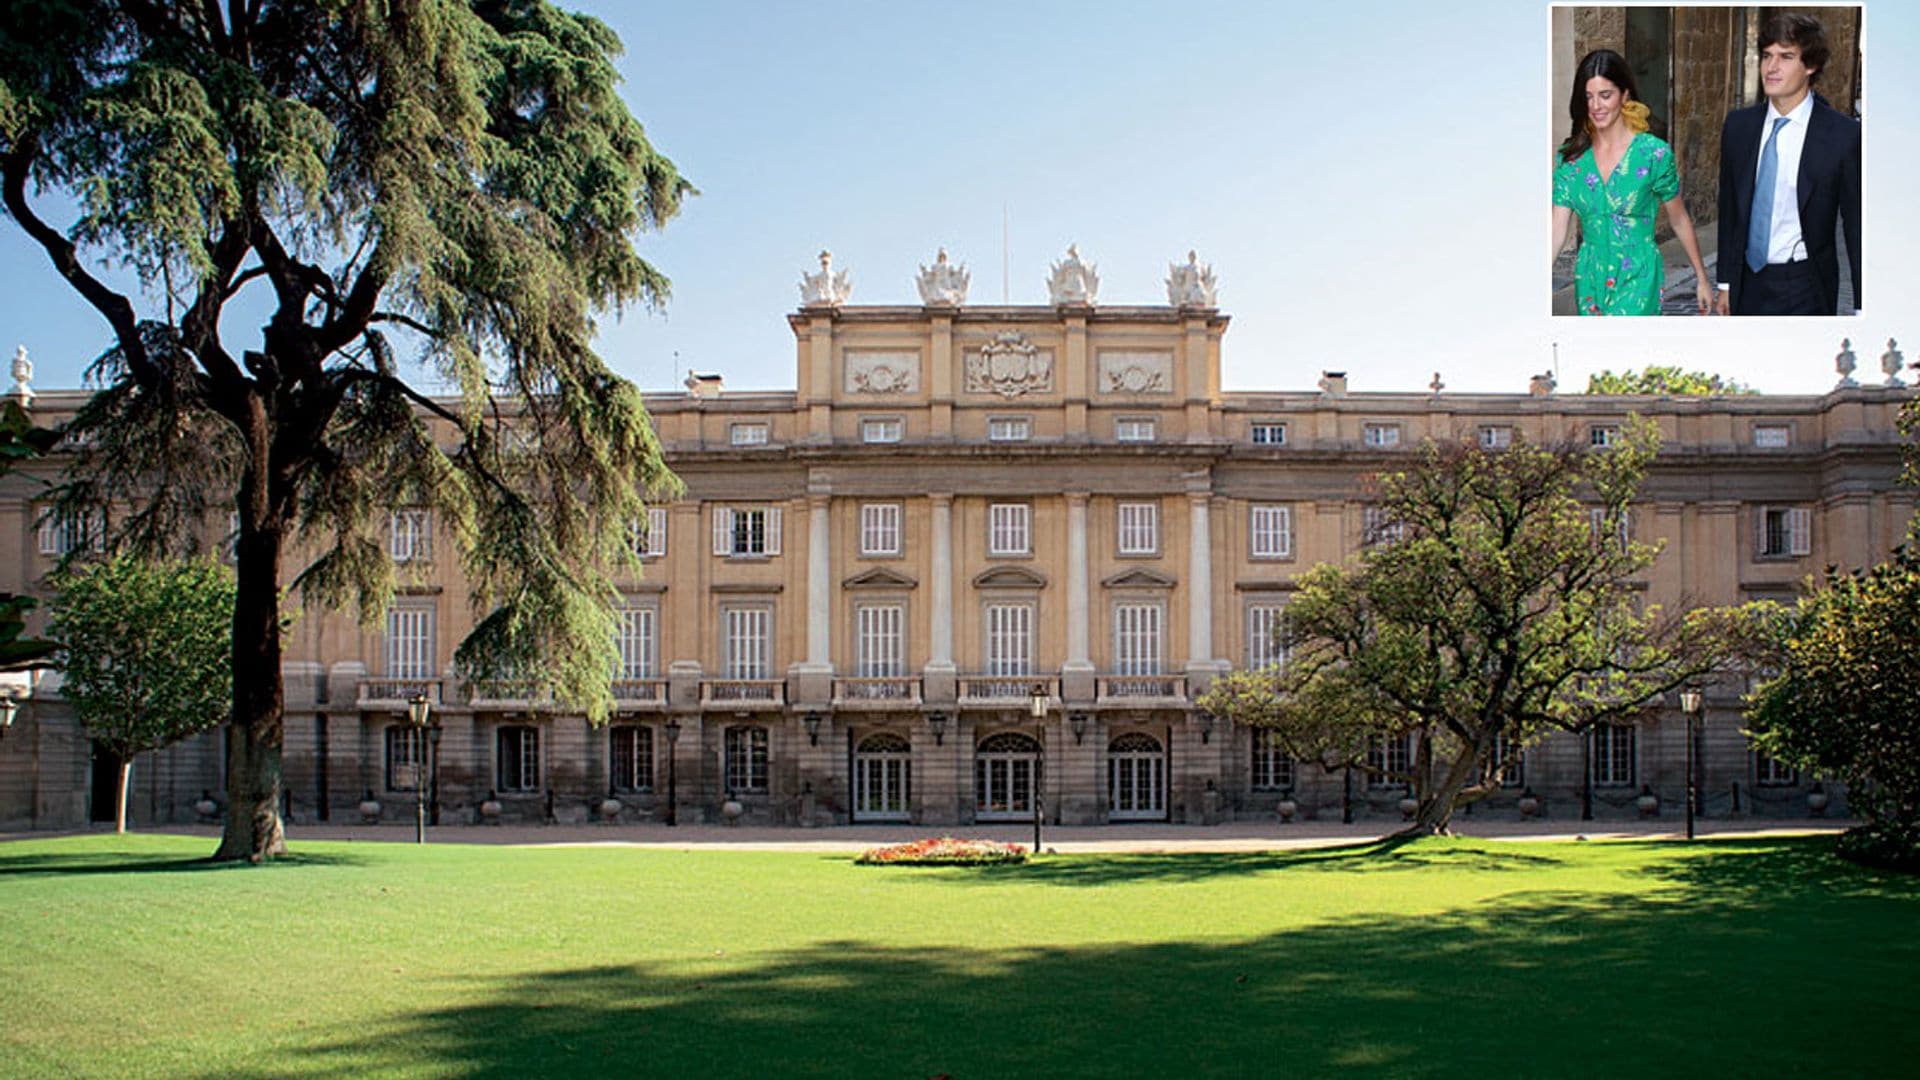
1138, 578
1010, 577
879, 578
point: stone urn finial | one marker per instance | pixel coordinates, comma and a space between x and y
22, 389
1891, 362
1844, 364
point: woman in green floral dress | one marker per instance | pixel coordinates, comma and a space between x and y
1614, 176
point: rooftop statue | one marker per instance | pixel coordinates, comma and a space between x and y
826, 288
1192, 285
22, 389
1073, 282
1844, 364
1891, 362
943, 284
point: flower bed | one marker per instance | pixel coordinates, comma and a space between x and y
944, 851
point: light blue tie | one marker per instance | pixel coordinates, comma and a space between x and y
1760, 221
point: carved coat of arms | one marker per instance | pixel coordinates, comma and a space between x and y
1010, 366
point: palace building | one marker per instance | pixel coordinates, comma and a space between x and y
981, 556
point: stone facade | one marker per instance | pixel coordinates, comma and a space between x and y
846, 614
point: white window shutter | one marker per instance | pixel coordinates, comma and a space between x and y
1800, 530
656, 531
1285, 523
722, 530
423, 544
1760, 530
773, 530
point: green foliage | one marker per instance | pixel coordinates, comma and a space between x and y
20, 441
1661, 380
145, 649
1502, 610
1846, 700
455, 185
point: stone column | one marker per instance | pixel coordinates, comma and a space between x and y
819, 586
1077, 673
1199, 580
938, 682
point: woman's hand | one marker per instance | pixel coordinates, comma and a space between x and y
1707, 294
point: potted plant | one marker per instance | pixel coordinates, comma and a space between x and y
1648, 802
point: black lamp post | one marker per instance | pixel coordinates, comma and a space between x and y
673, 773
433, 775
1038, 707
418, 710
1691, 703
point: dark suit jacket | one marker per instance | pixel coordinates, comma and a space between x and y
1829, 185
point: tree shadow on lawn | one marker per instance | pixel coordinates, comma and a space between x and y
1739, 962
1388, 855
81, 863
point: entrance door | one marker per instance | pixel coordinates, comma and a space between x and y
882, 778
1005, 768
1136, 778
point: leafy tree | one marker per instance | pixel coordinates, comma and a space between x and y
1493, 610
20, 441
1658, 380
456, 182
144, 649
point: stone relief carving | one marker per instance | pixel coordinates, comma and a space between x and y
1192, 285
1010, 366
943, 284
1073, 281
1135, 372
882, 372
826, 288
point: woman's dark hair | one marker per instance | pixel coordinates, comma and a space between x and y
1608, 65
1803, 32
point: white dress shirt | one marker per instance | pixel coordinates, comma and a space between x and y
1784, 242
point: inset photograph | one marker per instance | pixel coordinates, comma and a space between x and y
1706, 160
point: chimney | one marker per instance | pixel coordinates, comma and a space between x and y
1333, 383
704, 386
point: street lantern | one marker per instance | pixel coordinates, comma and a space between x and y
1692, 702
938, 722
419, 709
1038, 703
1078, 722
8, 707
673, 772
1038, 706
812, 724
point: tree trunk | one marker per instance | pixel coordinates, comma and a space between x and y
120, 804
255, 731
1435, 817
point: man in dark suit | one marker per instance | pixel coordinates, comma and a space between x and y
1789, 172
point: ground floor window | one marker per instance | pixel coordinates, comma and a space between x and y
1272, 768
882, 778
1772, 772
631, 747
1613, 755
1005, 772
1389, 761
746, 765
405, 757
516, 758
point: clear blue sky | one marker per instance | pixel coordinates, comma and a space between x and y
1369, 181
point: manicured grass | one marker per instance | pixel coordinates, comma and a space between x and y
126, 956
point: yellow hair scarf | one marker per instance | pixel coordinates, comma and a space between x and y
1635, 115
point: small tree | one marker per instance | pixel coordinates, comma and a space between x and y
1659, 380
145, 649
1495, 605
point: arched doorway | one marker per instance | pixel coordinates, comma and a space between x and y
1005, 769
1136, 778
882, 778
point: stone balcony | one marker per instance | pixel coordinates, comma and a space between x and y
878, 692
743, 694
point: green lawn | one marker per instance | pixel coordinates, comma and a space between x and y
126, 956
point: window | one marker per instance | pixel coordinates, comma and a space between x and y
1271, 531
516, 758
1508, 761
1136, 639
1139, 528
410, 641
1772, 436
1390, 754
1009, 639
748, 642
1268, 433
748, 434
1134, 429
886, 429
878, 633
746, 759
648, 538
634, 637
406, 757
1782, 532
1272, 768
1772, 772
1008, 529
60, 534
1495, 437
879, 529
1381, 436
1613, 755
410, 535
1009, 429
1601, 436
741, 531
1266, 635
630, 748
1376, 527
1603, 523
